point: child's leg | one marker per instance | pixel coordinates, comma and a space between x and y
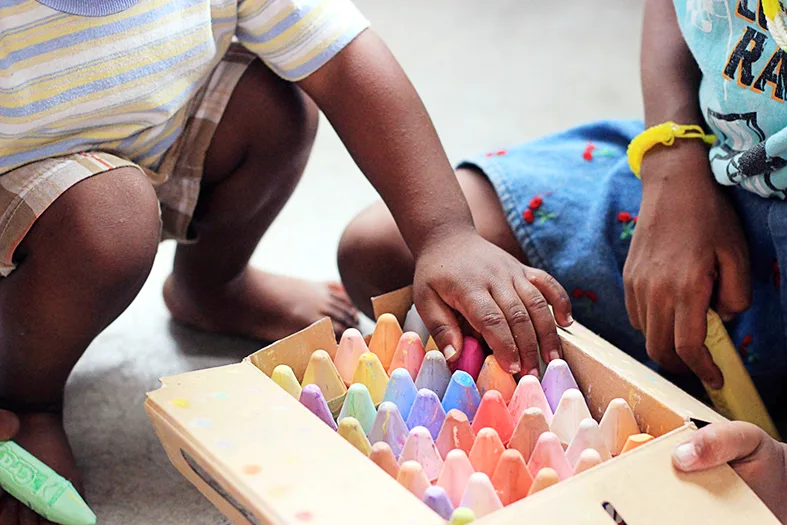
79, 267
256, 158
373, 258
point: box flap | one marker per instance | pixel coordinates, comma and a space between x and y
644, 489
275, 456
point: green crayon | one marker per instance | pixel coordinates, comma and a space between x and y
41, 488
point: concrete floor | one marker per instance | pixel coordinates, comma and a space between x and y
491, 74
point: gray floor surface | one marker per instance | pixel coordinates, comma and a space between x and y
492, 73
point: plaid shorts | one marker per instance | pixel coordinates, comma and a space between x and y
26, 192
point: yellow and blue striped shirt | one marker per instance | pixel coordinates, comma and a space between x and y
75, 77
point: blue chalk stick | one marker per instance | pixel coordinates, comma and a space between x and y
427, 412
401, 391
462, 394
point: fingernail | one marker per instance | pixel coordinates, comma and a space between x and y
686, 454
515, 368
533, 373
449, 352
570, 319
727, 317
554, 354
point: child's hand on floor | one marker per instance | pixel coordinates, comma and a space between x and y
505, 301
688, 237
9, 425
757, 458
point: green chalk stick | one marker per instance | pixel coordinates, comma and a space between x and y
41, 488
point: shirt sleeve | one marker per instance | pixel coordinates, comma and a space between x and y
296, 37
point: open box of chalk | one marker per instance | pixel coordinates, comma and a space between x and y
308, 430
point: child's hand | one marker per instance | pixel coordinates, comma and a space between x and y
757, 458
688, 236
9, 425
505, 301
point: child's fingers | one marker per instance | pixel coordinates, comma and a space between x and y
9, 425
442, 324
554, 293
734, 285
718, 444
520, 320
691, 327
483, 313
543, 323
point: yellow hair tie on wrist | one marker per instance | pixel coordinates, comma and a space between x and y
662, 134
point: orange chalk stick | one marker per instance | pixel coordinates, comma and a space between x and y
486, 451
385, 338
492, 377
455, 433
635, 441
512, 479
493, 413
545, 478
384, 458
531, 425
412, 477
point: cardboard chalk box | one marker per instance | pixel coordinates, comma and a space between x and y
262, 458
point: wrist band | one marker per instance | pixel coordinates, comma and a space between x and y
776, 21
662, 134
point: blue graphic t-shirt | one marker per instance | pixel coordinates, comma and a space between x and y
743, 91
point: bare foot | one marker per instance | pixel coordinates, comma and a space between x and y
42, 435
260, 305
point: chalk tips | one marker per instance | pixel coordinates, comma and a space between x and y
434, 374
493, 413
401, 391
531, 425
370, 372
427, 411
351, 430
545, 478
455, 433
312, 398
437, 500
454, 475
529, 394
421, 448
409, 354
351, 348
557, 379
462, 394
462, 516
472, 358
321, 372
412, 477
383, 457
493, 377
617, 425
358, 404
548, 453
385, 338
486, 451
414, 323
283, 376
480, 496
636, 440
571, 410
389, 427
511, 479
588, 459
588, 437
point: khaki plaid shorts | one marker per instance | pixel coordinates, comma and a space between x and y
26, 192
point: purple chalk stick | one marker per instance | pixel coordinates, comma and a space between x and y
557, 379
434, 373
389, 427
437, 500
427, 412
472, 358
312, 398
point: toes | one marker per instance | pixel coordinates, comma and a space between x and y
339, 295
343, 317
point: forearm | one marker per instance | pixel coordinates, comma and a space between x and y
384, 125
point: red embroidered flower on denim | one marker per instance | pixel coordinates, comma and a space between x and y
584, 299
629, 221
748, 355
498, 153
535, 211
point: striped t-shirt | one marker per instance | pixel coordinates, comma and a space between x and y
117, 75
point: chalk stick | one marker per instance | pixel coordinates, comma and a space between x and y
462, 516
511, 479
617, 424
588, 459
531, 425
383, 457
455, 433
370, 372
493, 413
636, 440
557, 379
571, 410
409, 354
351, 348
420, 447
454, 475
427, 411
588, 437
414, 323
401, 391
312, 398
545, 478
471, 359
412, 477
434, 373
486, 451
389, 427
548, 453
529, 394
283, 376
437, 500
351, 430
358, 404
462, 394
480, 496
321, 372
386, 336
492, 377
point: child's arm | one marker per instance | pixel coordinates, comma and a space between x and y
757, 458
688, 235
380, 118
